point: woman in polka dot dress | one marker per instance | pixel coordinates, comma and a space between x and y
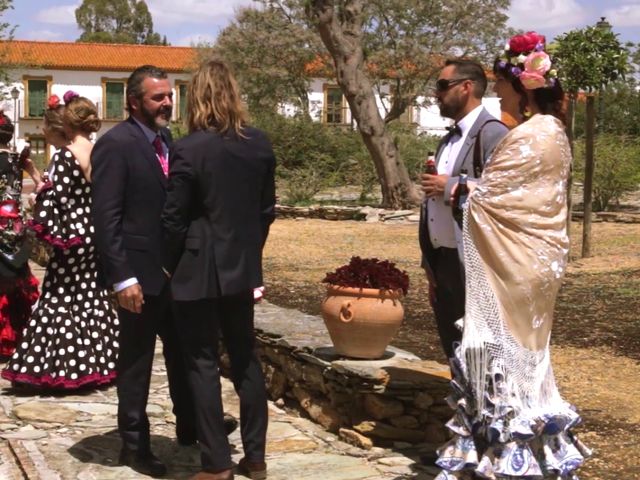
71, 339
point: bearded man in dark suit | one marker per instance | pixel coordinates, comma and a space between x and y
129, 176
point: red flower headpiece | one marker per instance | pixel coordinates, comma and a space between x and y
526, 43
524, 58
53, 102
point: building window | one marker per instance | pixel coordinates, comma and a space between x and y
38, 151
181, 90
37, 92
113, 99
334, 109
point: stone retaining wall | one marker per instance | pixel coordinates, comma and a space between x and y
399, 398
337, 212
371, 214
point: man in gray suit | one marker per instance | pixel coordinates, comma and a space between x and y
459, 90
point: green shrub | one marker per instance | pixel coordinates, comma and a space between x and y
413, 148
178, 130
312, 156
301, 184
617, 168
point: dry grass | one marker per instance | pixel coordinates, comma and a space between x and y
596, 336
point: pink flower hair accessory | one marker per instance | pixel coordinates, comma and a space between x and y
524, 58
532, 80
70, 95
537, 62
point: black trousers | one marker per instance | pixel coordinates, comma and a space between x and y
449, 293
199, 323
137, 344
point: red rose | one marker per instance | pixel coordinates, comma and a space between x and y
525, 43
53, 102
9, 209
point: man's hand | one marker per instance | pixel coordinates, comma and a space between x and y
131, 298
433, 185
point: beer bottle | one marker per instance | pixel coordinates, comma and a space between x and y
431, 164
460, 197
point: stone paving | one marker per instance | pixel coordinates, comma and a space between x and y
73, 436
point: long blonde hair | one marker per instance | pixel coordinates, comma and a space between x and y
213, 100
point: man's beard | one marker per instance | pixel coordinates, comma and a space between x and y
451, 109
154, 119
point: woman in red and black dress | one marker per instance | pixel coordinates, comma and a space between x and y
18, 288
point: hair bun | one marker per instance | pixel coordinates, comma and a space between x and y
92, 123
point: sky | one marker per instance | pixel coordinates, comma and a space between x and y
201, 20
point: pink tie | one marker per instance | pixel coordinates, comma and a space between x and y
162, 157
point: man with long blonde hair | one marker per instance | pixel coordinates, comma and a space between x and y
220, 204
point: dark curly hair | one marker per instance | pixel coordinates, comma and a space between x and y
549, 100
6, 129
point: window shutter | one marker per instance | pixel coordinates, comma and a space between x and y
114, 100
37, 97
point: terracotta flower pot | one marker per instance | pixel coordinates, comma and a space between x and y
362, 321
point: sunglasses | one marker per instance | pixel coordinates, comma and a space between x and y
445, 84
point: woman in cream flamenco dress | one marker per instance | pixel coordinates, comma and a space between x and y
510, 421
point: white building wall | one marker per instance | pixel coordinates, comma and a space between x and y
426, 116
86, 83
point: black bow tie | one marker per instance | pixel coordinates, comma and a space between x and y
454, 130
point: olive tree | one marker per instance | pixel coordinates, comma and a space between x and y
588, 59
6, 33
373, 48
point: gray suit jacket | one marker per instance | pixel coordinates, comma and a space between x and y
491, 135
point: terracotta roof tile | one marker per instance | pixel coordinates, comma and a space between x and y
95, 56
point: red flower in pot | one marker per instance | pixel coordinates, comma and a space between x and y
362, 309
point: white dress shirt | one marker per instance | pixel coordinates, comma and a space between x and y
441, 224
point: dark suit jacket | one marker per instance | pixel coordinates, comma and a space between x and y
220, 203
128, 193
491, 136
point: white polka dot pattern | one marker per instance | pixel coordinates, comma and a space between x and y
71, 339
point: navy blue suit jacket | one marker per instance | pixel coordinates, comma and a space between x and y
128, 194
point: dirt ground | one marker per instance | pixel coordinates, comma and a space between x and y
596, 336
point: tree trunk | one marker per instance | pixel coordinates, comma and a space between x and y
589, 164
571, 120
341, 32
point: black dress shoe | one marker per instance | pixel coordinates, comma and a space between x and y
230, 424
145, 463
